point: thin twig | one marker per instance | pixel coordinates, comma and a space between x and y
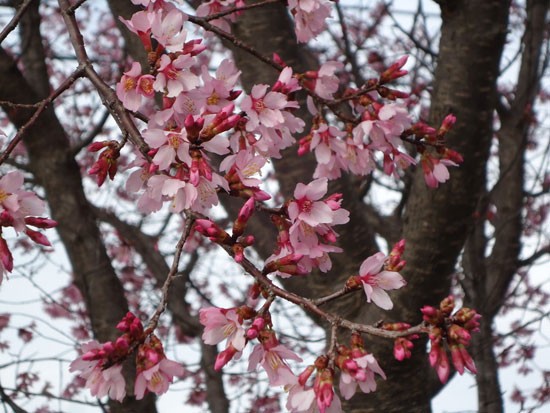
232, 10
15, 20
107, 94
170, 277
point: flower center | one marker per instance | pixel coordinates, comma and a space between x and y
3, 195
129, 84
174, 141
259, 105
213, 99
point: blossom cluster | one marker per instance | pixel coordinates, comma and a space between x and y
20, 210
305, 232
453, 331
101, 364
204, 116
240, 325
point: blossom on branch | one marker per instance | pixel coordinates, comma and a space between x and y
377, 281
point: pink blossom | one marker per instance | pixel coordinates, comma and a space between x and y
360, 373
174, 76
168, 29
435, 170
140, 24
326, 143
18, 205
307, 208
132, 86
325, 82
207, 8
300, 399
10, 185
216, 91
327, 400
100, 381
271, 355
376, 282
264, 108
169, 145
220, 324
382, 131
157, 379
309, 17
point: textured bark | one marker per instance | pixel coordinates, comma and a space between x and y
509, 194
487, 280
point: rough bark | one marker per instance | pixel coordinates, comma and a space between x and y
487, 280
509, 194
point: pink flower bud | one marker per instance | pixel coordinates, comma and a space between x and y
224, 357
430, 314
305, 375
5, 256
122, 344
393, 71
458, 334
40, 222
97, 146
38, 237
242, 218
447, 124
468, 361
447, 305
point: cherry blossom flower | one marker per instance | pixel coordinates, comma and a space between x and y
307, 208
271, 355
359, 371
207, 8
101, 382
132, 86
174, 76
220, 324
309, 17
327, 400
157, 379
324, 82
382, 131
17, 202
326, 143
140, 24
264, 107
376, 282
435, 170
168, 30
300, 398
169, 144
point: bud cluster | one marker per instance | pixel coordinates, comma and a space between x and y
452, 331
101, 364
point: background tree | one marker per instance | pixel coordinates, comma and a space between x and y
467, 235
